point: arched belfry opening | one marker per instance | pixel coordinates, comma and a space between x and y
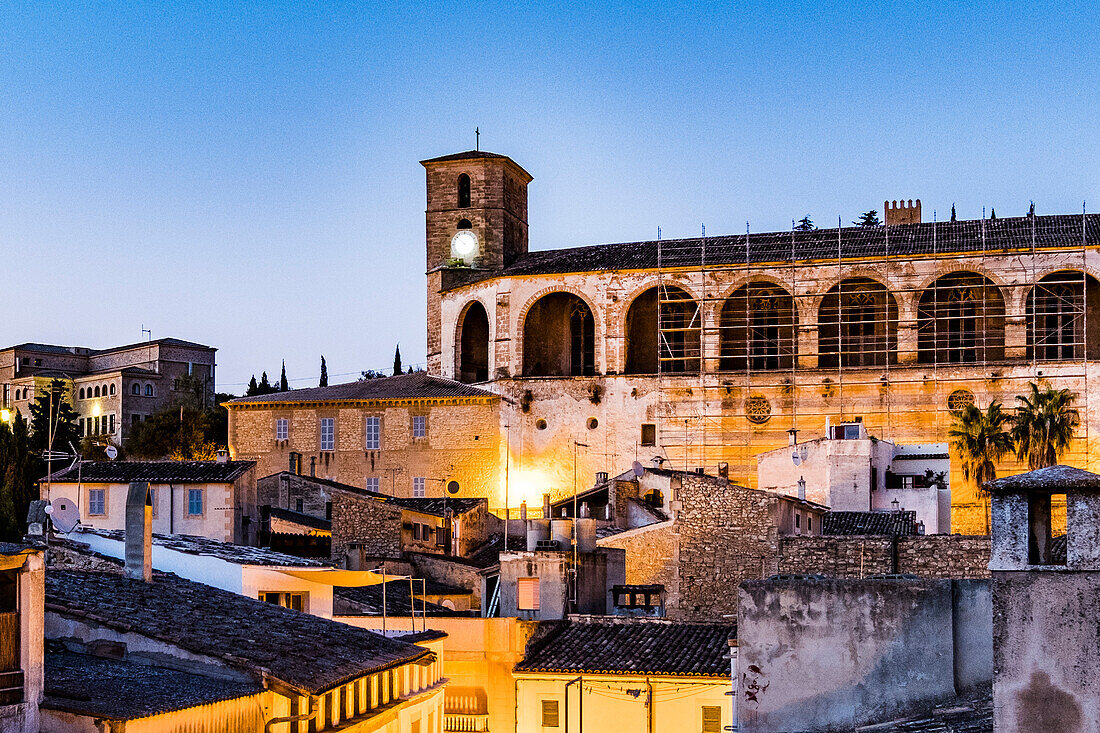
758, 323
961, 319
463, 191
473, 345
858, 325
559, 337
663, 332
1063, 309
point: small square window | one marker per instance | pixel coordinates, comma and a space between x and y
420, 426
97, 502
550, 718
282, 428
712, 719
373, 484
194, 502
419, 487
328, 433
649, 434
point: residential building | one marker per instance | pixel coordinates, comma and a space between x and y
286, 580
410, 435
110, 389
849, 470
212, 499
22, 572
590, 673
761, 332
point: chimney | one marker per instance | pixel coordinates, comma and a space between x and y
792, 436
522, 511
546, 506
898, 212
223, 456
601, 477
802, 488
313, 466
139, 533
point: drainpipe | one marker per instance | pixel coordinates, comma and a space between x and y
288, 719
580, 704
649, 706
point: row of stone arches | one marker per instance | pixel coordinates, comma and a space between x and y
960, 318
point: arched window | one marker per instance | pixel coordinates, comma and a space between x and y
463, 191
758, 328
97, 390
857, 325
472, 357
112, 390
148, 390
559, 337
961, 319
1059, 308
81, 393
663, 332
464, 224
136, 388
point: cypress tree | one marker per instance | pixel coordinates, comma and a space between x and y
397, 361
324, 373
253, 388
283, 386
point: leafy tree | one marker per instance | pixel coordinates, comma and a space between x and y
397, 361
283, 385
953, 211
936, 478
19, 471
370, 374
805, 224
981, 439
324, 373
265, 385
51, 409
253, 387
1044, 425
868, 219
178, 432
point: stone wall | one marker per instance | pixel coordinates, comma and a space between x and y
448, 571
284, 489
374, 524
926, 556
651, 554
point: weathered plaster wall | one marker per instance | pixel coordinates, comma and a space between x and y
836, 654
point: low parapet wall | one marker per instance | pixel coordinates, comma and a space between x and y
926, 556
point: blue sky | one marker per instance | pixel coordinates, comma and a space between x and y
246, 175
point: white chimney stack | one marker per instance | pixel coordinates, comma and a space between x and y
139, 533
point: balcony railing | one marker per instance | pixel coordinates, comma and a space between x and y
11, 676
465, 723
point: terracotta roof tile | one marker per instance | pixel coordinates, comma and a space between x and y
418, 385
154, 472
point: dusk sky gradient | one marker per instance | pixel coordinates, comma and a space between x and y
247, 175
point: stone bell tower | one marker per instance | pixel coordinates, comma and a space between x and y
476, 224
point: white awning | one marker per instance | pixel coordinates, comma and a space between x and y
346, 578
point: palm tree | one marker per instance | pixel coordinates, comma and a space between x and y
980, 439
1044, 425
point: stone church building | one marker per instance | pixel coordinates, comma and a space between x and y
710, 350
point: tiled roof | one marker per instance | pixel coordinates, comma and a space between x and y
425, 505
468, 155
121, 690
13, 548
899, 524
306, 520
154, 472
367, 600
972, 713
415, 386
194, 545
629, 646
160, 342
1056, 479
304, 651
821, 244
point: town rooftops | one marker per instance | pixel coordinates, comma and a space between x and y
367, 600
1050, 480
468, 155
1014, 233
894, 524
300, 518
415, 386
115, 689
85, 351
424, 505
302, 651
612, 645
227, 551
153, 472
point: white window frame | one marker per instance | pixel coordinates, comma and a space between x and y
419, 487
102, 494
372, 426
374, 483
420, 426
328, 425
282, 428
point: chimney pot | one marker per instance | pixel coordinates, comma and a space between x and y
139, 533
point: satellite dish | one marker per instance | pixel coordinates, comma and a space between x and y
796, 458
452, 487
112, 452
638, 468
64, 515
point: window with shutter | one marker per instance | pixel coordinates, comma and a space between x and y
550, 714
712, 719
527, 594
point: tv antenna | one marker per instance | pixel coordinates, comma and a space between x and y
477, 139
145, 330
